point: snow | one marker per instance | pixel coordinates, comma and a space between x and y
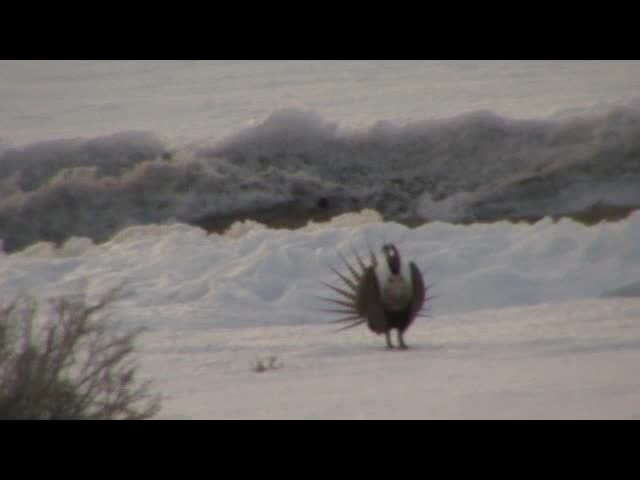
570, 360
529, 321
90, 147
189, 100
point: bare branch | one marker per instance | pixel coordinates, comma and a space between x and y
73, 366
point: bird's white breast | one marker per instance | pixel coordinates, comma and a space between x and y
396, 290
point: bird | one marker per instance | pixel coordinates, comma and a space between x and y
386, 295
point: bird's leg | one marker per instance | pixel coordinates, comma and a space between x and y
389, 344
401, 343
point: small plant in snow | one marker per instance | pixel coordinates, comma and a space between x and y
269, 363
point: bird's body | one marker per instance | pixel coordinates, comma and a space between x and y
386, 294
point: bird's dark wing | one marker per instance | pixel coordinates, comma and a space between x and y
368, 302
419, 291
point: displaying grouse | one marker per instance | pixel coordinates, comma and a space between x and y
386, 294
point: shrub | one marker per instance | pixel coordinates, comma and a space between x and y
69, 362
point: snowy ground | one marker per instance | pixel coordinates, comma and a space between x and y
568, 361
529, 321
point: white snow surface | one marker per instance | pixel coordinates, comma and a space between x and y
528, 321
190, 100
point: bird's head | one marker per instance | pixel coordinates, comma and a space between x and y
392, 257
